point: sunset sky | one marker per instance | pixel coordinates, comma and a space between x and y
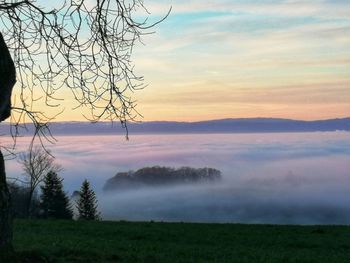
243, 58
247, 58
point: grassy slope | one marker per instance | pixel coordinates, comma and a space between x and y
69, 241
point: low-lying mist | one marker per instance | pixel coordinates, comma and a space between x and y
295, 178
269, 197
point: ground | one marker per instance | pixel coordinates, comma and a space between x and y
72, 241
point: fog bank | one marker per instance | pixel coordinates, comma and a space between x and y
290, 178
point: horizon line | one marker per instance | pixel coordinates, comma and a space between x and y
194, 121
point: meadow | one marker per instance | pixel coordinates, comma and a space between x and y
78, 241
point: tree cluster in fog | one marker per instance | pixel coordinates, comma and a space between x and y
157, 176
52, 202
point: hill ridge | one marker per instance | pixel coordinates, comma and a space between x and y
228, 125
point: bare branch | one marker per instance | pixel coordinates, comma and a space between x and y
84, 46
36, 163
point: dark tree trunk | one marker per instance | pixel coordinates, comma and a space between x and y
29, 203
7, 81
5, 211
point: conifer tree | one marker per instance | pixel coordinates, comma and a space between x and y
54, 201
87, 203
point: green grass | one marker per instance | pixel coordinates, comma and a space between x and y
70, 241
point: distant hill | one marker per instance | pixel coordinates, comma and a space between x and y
249, 125
161, 176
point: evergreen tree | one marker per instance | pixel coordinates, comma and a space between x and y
87, 203
54, 201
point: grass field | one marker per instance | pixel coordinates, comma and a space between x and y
71, 241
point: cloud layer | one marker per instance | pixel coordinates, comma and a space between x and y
267, 178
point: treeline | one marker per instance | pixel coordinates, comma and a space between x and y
50, 200
53, 202
157, 176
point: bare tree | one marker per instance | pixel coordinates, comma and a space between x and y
84, 46
36, 163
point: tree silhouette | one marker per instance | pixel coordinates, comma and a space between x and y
84, 46
87, 203
36, 163
54, 201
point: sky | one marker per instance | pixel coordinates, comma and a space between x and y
220, 59
231, 59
